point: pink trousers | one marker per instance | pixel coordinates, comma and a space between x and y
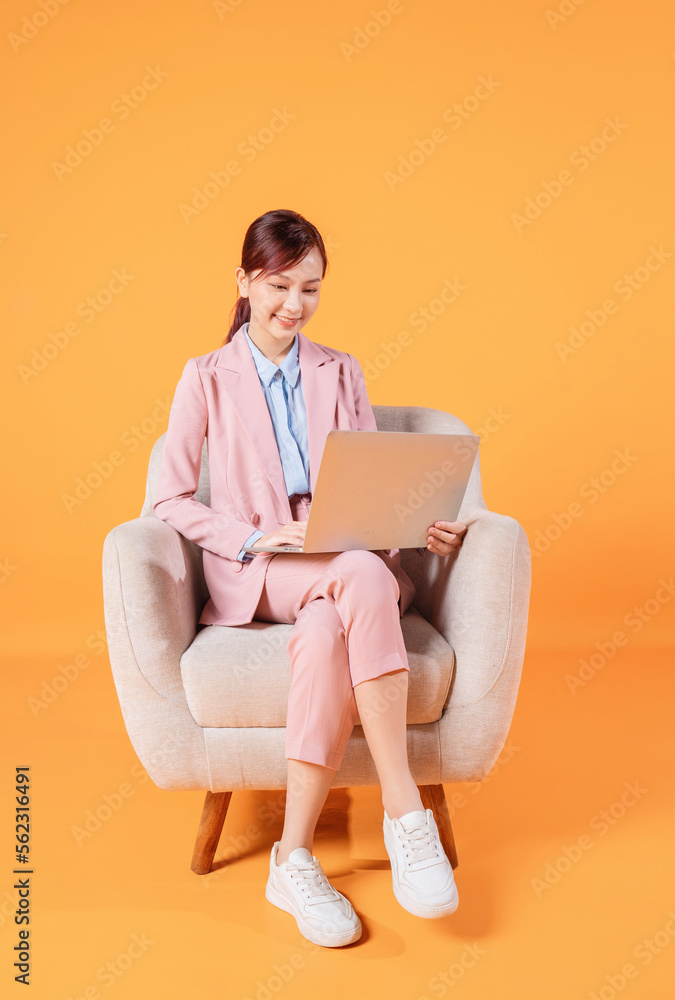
347, 629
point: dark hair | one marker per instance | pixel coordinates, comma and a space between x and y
276, 240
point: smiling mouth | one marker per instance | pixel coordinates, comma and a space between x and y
285, 321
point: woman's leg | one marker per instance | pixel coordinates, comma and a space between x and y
349, 640
382, 704
321, 712
306, 792
321, 707
364, 594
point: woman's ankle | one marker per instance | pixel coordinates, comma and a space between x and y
400, 802
283, 850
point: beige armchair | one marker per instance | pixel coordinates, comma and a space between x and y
206, 708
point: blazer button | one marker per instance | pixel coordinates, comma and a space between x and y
255, 517
238, 566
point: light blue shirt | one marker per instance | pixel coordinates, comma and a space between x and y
282, 386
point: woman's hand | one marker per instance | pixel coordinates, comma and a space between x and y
292, 533
445, 537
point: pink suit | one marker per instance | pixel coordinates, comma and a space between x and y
347, 606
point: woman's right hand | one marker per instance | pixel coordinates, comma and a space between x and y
292, 533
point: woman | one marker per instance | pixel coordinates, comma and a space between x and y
265, 401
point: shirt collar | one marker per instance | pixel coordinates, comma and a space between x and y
267, 369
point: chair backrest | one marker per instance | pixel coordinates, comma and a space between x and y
416, 419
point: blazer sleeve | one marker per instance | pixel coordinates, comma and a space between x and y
179, 474
364, 412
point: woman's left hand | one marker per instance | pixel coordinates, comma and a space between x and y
445, 537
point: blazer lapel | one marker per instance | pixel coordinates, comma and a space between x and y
319, 378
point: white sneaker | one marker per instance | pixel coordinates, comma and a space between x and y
300, 886
421, 874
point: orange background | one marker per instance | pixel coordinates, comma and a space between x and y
222, 72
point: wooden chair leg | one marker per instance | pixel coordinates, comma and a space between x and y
210, 827
433, 797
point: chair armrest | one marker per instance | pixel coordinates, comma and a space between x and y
154, 590
161, 597
479, 601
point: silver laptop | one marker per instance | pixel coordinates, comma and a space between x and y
383, 489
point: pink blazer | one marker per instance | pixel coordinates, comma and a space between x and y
219, 396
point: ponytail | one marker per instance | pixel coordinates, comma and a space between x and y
242, 314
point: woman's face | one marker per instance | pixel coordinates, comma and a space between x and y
281, 304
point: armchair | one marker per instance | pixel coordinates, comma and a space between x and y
198, 719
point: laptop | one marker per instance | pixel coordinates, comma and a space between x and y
383, 489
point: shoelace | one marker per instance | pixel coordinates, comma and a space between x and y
420, 843
313, 881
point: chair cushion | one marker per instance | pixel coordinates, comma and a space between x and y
239, 676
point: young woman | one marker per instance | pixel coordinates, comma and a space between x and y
265, 401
